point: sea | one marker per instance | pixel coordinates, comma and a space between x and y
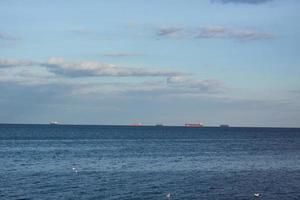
147, 162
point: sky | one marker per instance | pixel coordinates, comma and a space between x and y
170, 62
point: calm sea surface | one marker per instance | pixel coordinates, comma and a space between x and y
118, 162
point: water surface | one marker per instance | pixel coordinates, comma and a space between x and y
119, 162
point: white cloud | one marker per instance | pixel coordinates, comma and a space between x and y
58, 71
90, 68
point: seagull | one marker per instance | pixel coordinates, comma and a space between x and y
256, 194
74, 169
168, 195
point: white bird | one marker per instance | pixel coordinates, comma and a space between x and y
168, 195
256, 194
74, 169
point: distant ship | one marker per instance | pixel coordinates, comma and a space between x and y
224, 126
138, 124
159, 125
199, 125
53, 123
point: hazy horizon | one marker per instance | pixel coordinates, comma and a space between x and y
155, 125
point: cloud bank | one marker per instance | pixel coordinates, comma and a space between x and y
58, 71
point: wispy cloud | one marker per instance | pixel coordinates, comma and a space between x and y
4, 36
57, 70
26, 73
15, 63
90, 68
190, 87
120, 54
242, 1
203, 85
215, 32
230, 33
170, 32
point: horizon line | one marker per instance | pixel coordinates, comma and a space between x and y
148, 125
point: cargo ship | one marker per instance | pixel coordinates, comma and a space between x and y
138, 124
224, 126
199, 125
53, 123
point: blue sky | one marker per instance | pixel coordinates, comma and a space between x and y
131, 61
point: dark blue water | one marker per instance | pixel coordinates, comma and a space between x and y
115, 162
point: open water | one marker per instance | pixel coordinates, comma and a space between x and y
121, 162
